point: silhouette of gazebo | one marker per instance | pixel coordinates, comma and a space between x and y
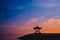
37, 35
37, 29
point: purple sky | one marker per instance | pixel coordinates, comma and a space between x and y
19, 12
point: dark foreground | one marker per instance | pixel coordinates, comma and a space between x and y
43, 36
38, 36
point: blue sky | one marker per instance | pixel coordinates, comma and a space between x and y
13, 8
21, 11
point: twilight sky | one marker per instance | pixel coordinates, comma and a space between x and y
20, 16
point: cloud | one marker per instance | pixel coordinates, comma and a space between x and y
48, 8
28, 27
46, 3
32, 22
52, 25
19, 7
14, 28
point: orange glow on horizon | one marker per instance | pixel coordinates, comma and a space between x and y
50, 26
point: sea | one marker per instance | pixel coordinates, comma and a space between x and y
9, 36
